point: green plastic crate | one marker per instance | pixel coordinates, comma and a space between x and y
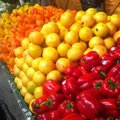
5, 76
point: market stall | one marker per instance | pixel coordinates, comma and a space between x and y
61, 60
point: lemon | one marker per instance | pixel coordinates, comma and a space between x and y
52, 40
34, 51
39, 78
28, 98
46, 65
50, 53
71, 37
74, 54
100, 49
23, 91
31, 86
36, 38
109, 42
62, 63
85, 34
95, 41
30, 72
54, 75
63, 49
25, 42
38, 92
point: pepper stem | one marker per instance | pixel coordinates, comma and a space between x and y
98, 85
102, 73
112, 84
69, 105
49, 102
110, 118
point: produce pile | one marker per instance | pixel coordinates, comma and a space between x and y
69, 69
17, 25
66, 63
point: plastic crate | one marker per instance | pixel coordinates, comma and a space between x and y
11, 95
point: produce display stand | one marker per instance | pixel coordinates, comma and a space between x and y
11, 96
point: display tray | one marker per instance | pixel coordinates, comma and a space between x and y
11, 95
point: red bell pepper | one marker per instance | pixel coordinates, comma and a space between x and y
69, 70
118, 98
50, 115
107, 61
85, 82
111, 107
118, 42
90, 60
39, 105
51, 86
83, 70
89, 106
77, 73
115, 72
115, 52
69, 87
100, 118
74, 116
54, 100
110, 87
92, 92
98, 72
67, 107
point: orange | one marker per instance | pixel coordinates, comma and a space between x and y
85, 34
100, 17
115, 19
87, 20
67, 18
101, 30
36, 38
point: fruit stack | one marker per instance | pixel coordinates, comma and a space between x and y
58, 68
